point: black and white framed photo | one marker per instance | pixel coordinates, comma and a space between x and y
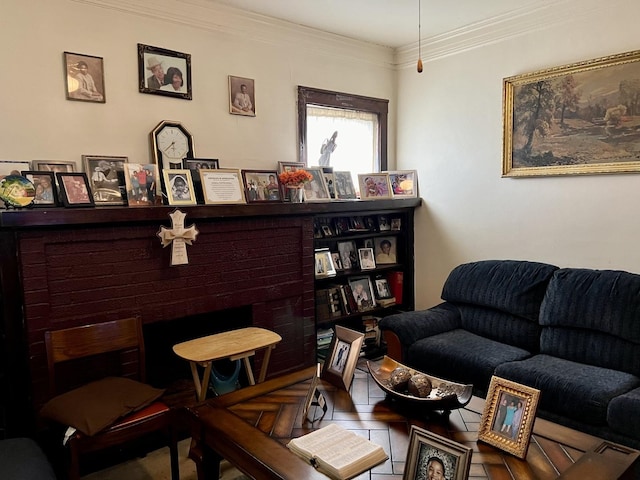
433, 456
330, 180
44, 183
337, 261
384, 225
164, 72
348, 254
367, 262
179, 185
84, 77
344, 352
324, 263
74, 189
242, 96
382, 288
106, 178
344, 185
362, 290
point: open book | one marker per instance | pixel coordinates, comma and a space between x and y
337, 452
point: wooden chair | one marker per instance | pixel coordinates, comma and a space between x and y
110, 338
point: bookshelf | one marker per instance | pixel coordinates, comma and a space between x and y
364, 271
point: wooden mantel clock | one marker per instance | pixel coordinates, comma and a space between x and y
170, 143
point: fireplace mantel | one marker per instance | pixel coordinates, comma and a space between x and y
65, 267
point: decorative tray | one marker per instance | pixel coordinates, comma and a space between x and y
445, 395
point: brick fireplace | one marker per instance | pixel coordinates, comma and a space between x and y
249, 270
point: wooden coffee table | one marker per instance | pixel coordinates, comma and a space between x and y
250, 428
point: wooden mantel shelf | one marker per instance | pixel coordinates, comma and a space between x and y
55, 217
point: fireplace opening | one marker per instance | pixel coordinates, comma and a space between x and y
164, 367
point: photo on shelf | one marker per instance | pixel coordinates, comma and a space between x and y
74, 189
44, 183
374, 186
348, 254
386, 250
337, 261
344, 185
367, 262
396, 224
362, 290
383, 223
341, 225
330, 179
324, 263
382, 288
106, 178
404, 183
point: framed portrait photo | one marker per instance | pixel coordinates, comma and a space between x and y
362, 290
316, 189
164, 72
74, 189
44, 183
140, 183
382, 288
106, 178
242, 96
348, 254
404, 183
179, 185
433, 456
367, 262
344, 185
84, 77
374, 186
386, 250
508, 416
12, 168
222, 186
261, 186
343, 355
324, 266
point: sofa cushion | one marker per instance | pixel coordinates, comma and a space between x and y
512, 286
23, 459
575, 390
622, 414
593, 317
462, 356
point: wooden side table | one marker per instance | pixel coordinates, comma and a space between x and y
233, 345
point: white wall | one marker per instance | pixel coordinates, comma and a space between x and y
450, 130
39, 123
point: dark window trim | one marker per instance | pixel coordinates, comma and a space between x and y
327, 98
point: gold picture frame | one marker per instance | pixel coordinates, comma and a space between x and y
449, 459
508, 416
222, 186
179, 187
556, 121
344, 352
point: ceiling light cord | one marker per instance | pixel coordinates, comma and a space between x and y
419, 36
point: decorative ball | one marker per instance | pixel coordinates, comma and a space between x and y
419, 385
399, 378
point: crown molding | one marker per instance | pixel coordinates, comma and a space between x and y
248, 26
499, 28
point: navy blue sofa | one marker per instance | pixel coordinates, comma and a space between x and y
23, 459
572, 333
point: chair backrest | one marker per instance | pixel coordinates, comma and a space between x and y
95, 339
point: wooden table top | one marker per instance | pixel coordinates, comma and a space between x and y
226, 344
251, 426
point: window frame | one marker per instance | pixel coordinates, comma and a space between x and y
329, 98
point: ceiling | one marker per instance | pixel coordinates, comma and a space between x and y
391, 23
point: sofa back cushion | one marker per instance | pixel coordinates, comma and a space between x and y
511, 286
593, 316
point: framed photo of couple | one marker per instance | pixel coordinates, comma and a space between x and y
164, 72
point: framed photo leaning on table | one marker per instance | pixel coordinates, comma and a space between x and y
44, 183
507, 420
433, 456
75, 190
343, 355
179, 185
106, 178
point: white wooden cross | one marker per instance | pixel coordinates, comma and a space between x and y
178, 237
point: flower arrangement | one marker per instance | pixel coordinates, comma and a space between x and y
295, 178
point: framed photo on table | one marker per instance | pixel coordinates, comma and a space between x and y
164, 72
53, 166
75, 190
404, 183
374, 186
12, 168
44, 183
365, 255
140, 184
344, 352
509, 413
106, 178
179, 185
316, 190
433, 456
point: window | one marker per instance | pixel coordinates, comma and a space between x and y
357, 124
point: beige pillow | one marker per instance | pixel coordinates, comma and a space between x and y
96, 405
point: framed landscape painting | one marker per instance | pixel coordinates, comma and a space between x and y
581, 118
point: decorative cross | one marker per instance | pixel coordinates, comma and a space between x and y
178, 237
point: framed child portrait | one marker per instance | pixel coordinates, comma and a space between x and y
367, 261
179, 185
433, 456
374, 186
344, 352
507, 420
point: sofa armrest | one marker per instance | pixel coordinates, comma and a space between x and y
404, 329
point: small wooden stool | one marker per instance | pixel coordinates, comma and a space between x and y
233, 345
